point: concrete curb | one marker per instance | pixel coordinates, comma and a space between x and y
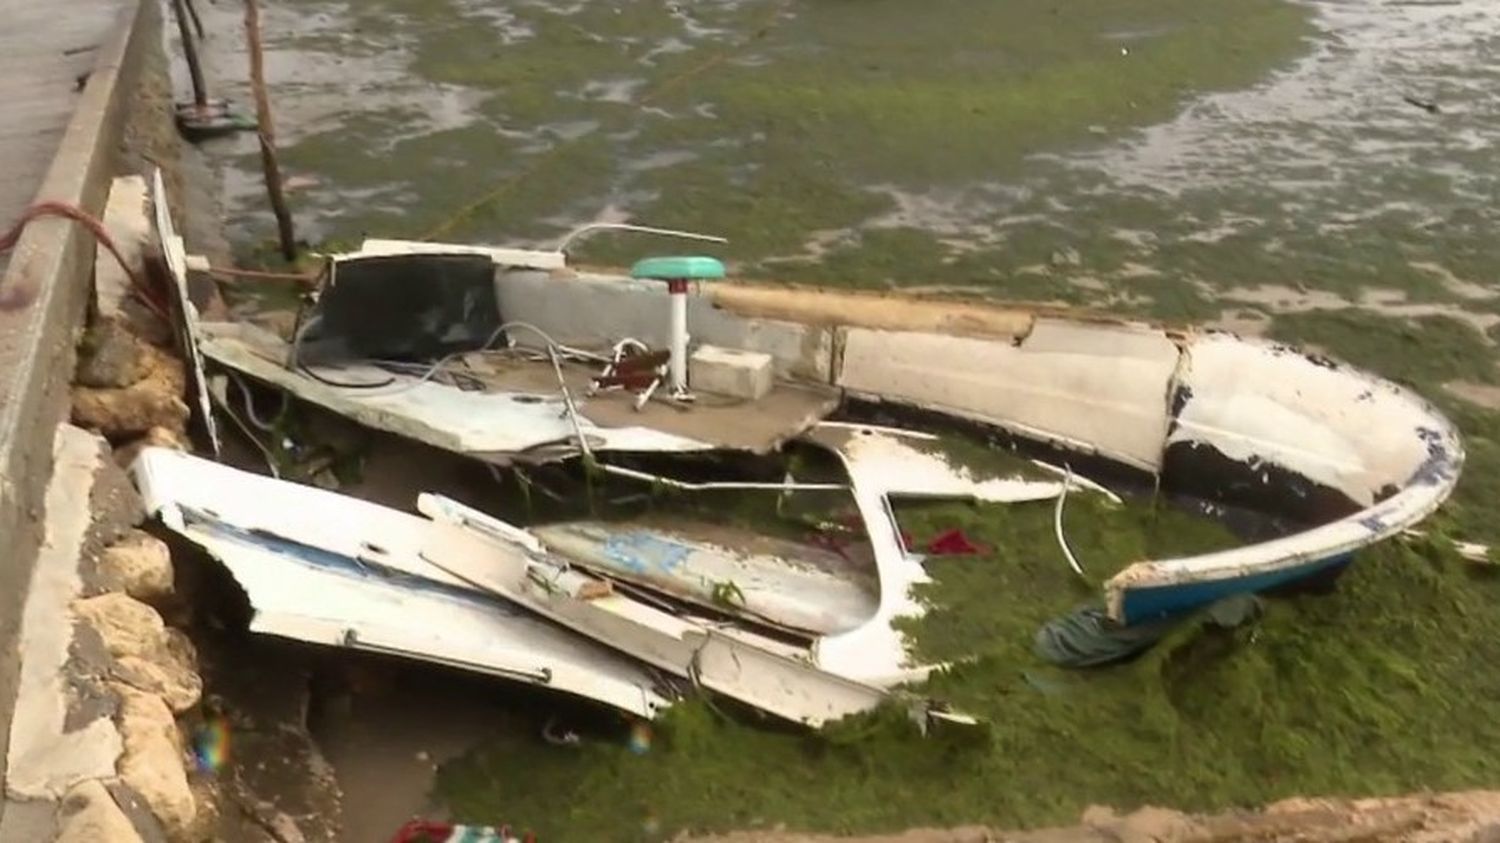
52, 261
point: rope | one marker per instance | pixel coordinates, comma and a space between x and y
17, 298
233, 272
767, 24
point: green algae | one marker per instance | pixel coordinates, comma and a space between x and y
1369, 689
791, 111
983, 461
1423, 352
1024, 570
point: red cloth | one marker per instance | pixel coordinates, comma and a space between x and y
423, 830
954, 543
430, 831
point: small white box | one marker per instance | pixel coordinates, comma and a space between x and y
730, 371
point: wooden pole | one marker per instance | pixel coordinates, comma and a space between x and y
190, 52
267, 133
197, 21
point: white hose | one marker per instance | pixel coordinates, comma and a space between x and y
1057, 523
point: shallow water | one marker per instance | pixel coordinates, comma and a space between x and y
832, 144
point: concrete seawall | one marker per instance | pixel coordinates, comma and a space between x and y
50, 267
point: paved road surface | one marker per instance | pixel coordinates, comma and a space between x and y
45, 47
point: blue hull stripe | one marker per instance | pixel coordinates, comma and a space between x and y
1155, 602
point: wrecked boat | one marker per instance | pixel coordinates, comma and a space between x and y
516, 359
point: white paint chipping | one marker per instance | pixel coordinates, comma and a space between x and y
1336, 426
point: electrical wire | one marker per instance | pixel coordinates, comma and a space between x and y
294, 362
245, 429
431, 370
1057, 523
261, 424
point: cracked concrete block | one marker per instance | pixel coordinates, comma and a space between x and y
153, 761
88, 814
731, 371
60, 734
140, 565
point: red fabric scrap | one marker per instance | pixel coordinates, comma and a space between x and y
421, 831
954, 543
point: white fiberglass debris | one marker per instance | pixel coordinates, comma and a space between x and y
330, 569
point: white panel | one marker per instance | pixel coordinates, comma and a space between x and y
587, 309
176, 256
464, 421
1100, 387
422, 612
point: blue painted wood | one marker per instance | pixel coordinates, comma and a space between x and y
1153, 603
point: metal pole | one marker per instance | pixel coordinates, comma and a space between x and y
190, 51
678, 333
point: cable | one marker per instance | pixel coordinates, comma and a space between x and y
294, 362
1057, 523
13, 299
432, 369
245, 429
308, 278
263, 425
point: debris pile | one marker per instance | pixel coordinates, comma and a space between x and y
701, 499
511, 359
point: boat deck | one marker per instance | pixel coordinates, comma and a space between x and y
760, 426
497, 406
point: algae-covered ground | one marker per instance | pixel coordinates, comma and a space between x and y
1370, 689
1252, 164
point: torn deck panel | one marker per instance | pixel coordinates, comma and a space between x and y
791, 687
884, 463
909, 463
778, 582
329, 569
519, 413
